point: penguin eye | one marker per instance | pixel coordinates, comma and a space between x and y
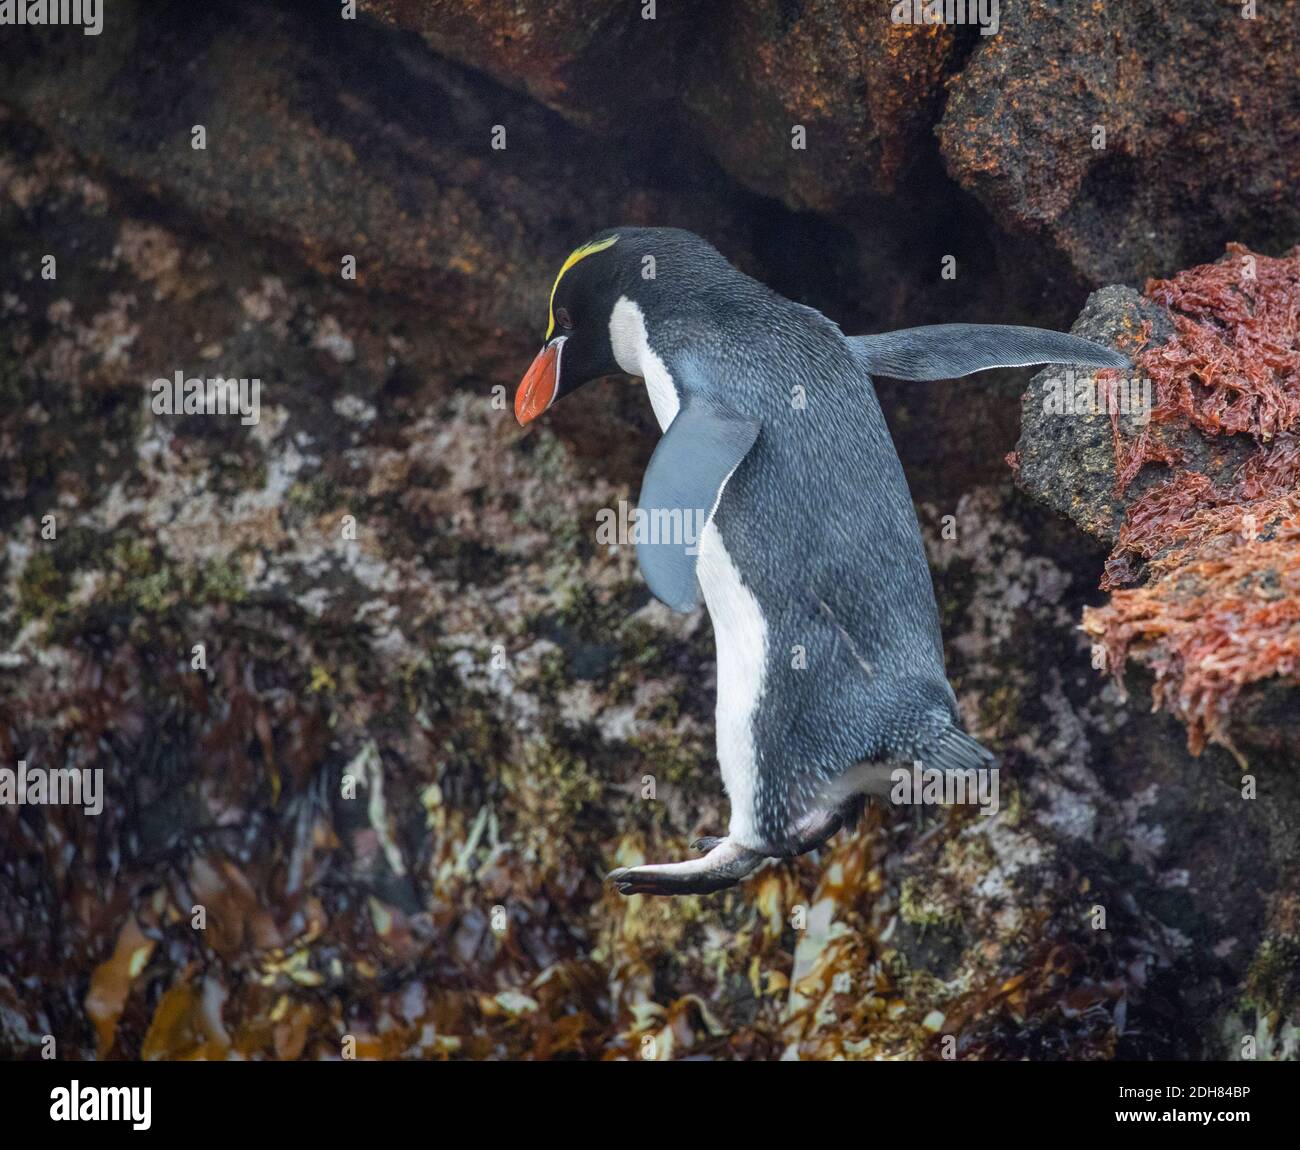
563, 319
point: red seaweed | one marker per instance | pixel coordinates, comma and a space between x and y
1220, 607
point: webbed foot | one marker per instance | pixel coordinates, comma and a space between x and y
725, 864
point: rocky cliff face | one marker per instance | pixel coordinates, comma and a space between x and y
374, 710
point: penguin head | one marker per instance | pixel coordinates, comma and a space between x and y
577, 347
612, 265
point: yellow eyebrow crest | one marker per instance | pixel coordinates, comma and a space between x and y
579, 254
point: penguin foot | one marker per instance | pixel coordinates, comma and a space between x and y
725, 864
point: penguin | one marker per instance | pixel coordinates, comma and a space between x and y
786, 512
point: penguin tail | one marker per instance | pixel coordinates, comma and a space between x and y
951, 749
951, 350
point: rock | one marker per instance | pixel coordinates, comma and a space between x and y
1067, 458
862, 90
1020, 126
595, 63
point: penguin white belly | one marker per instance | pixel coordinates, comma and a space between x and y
739, 628
740, 633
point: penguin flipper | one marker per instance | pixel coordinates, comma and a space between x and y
703, 445
951, 350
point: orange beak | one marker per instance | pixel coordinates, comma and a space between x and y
537, 390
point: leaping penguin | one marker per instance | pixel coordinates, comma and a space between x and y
808, 554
